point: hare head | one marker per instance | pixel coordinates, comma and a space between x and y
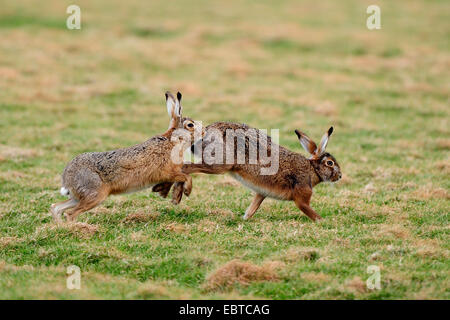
324, 164
184, 128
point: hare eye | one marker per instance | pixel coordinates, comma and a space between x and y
330, 163
190, 125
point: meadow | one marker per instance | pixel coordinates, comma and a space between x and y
271, 64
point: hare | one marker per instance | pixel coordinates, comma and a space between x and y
296, 175
91, 177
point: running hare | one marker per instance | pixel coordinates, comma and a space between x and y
91, 177
296, 175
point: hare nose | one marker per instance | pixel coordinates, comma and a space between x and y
340, 175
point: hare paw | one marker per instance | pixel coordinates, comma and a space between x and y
177, 193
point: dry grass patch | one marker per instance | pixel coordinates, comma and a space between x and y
240, 272
370, 188
6, 241
346, 197
444, 166
108, 251
431, 252
138, 236
207, 226
389, 211
382, 173
315, 277
356, 285
326, 108
12, 175
428, 191
429, 293
342, 242
175, 227
9, 73
102, 210
297, 254
150, 290
409, 185
274, 264
429, 248
81, 230
443, 144
9, 152
239, 69
395, 230
140, 217
345, 180
221, 212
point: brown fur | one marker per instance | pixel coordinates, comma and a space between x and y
92, 177
294, 179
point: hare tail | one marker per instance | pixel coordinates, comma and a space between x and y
64, 191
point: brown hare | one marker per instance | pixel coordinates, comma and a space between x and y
91, 177
294, 180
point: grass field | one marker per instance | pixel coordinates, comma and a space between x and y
272, 64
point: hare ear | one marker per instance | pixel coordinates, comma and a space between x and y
173, 109
178, 107
170, 103
324, 142
306, 142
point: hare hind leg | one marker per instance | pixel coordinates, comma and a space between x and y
57, 209
257, 200
85, 204
162, 188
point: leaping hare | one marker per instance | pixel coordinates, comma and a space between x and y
91, 177
294, 179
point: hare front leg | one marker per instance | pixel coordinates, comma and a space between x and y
257, 200
177, 192
187, 187
184, 180
182, 185
164, 188
302, 198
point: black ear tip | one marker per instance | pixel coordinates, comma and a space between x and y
167, 95
297, 132
330, 131
179, 95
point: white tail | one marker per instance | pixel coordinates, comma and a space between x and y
64, 191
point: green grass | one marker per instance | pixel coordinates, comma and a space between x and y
291, 65
20, 21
